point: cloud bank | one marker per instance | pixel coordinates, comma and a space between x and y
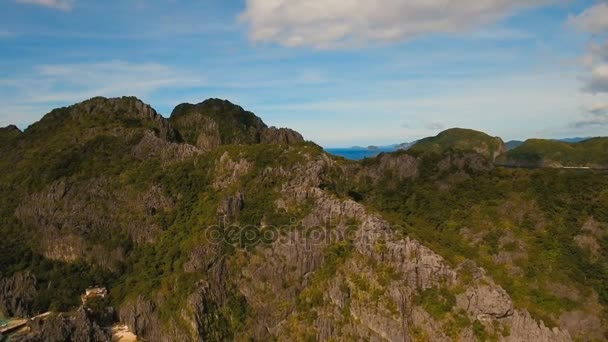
63, 5
336, 23
592, 20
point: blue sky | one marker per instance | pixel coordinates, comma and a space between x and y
342, 72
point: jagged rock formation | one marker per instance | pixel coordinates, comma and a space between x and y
286, 136
17, 294
212, 226
79, 327
215, 122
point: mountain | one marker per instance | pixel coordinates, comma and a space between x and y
513, 144
217, 122
551, 153
516, 143
405, 145
574, 140
458, 139
210, 225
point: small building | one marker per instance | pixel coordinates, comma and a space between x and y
94, 292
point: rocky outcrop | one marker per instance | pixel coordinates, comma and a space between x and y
125, 108
231, 205
348, 309
17, 295
202, 313
486, 302
526, 328
389, 166
79, 327
229, 171
216, 122
142, 319
471, 162
285, 136
67, 213
151, 146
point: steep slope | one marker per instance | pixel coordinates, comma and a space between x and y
246, 239
592, 153
464, 140
9, 133
540, 234
215, 122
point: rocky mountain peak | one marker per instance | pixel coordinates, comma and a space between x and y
99, 114
216, 122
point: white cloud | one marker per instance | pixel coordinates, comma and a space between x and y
596, 115
593, 20
596, 62
63, 5
334, 23
513, 107
597, 81
27, 95
436, 126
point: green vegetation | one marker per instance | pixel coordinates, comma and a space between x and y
462, 140
539, 152
437, 302
531, 215
234, 125
519, 224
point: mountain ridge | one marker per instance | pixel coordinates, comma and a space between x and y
437, 244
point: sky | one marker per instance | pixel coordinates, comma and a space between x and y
341, 72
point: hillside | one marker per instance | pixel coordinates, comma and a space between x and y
551, 153
215, 122
212, 226
464, 140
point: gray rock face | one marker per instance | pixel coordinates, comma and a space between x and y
285, 136
125, 108
17, 294
79, 327
525, 328
202, 314
153, 146
142, 319
466, 162
349, 311
398, 166
232, 205
215, 122
486, 302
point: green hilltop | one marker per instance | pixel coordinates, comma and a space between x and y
591, 153
464, 140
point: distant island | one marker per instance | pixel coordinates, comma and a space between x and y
360, 152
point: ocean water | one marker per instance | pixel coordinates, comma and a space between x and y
356, 153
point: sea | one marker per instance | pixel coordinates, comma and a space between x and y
354, 153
